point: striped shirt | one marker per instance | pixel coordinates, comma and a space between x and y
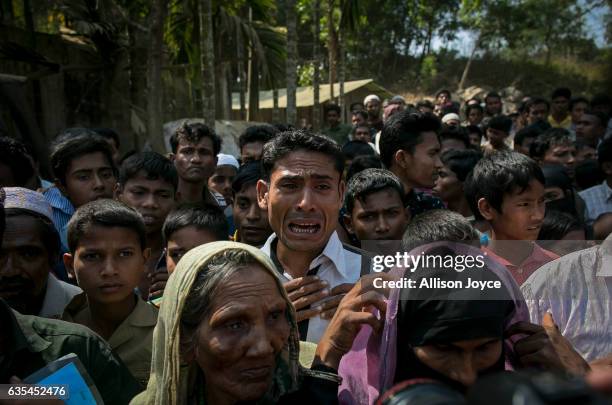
62, 212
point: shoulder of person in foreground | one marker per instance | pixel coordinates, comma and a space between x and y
112, 378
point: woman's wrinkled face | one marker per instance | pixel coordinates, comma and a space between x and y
238, 342
463, 360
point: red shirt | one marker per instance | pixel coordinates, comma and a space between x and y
534, 261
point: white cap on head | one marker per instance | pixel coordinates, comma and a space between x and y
224, 159
449, 117
370, 98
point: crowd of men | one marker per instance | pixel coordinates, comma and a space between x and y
95, 244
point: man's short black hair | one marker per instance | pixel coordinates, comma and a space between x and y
361, 163
352, 149
536, 101
531, 131
473, 129
500, 174
491, 94
461, 162
257, 133
601, 116
561, 92
549, 139
14, 154
439, 226
332, 107
604, 151
577, 100
203, 216
193, 133
248, 175
108, 133
370, 181
444, 91
455, 132
363, 114
424, 103
404, 130
154, 166
501, 123
471, 107
556, 225
106, 213
70, 147
48, 234
293, 141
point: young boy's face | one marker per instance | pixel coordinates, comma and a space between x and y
182, 241
421, 167
221, 182
521, 213
496, 137
564, 154
153, 199
250, 220
108, 263
448, 187
380, 216
88, 178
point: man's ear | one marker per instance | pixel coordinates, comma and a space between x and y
117, 191
348, 223
403, 158
342, 189
68, 260
263, 190
171, 156
486, 210
146, 253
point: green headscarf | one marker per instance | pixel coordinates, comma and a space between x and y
168, 383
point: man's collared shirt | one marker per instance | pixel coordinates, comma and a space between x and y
577, 290
35, 342
565, 123
598, 200
57, 296
132, 340
336, 265
62, 212
533, 262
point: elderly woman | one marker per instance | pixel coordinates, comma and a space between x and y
227, 333
451, 335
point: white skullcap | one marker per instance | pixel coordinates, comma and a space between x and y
449, 117
227, 160
370, 98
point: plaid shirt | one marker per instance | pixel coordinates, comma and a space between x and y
598, 201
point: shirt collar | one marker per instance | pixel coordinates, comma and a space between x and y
604, 264
60, 202
333, 251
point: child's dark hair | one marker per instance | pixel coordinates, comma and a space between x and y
154, 166
248, 175
549, 139
106, 213
461, 162
454, 132
14, 154
370, 181
203, 216
404, 130
497, 175
500, 123
193, 133
257, 133
439, 226
531, 131
299, 140
361, 163
68, 147
108, 133
352, 149
557, 224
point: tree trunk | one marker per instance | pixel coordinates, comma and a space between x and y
253, 110
241, 76
341, 78
316, 75
332, 47
7, 11
466, 70
154, 82
222, 90
291, 62
275, 110
207, 62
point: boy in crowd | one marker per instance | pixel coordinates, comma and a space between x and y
148, 183
252, 226
221, 180
410, 148
108, 256
493, 104
597, 198
449, 184
29, 250
84, 171
577, 107
537, 110
475, 134
524, 138
191, 225
361, 133
554, 146
375, 208
195, 148
591, 127
474, 114
507, 190
453, 138
559, 115
335, 129
252, 140
498, 129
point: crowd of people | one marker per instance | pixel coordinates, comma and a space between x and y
202, 277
